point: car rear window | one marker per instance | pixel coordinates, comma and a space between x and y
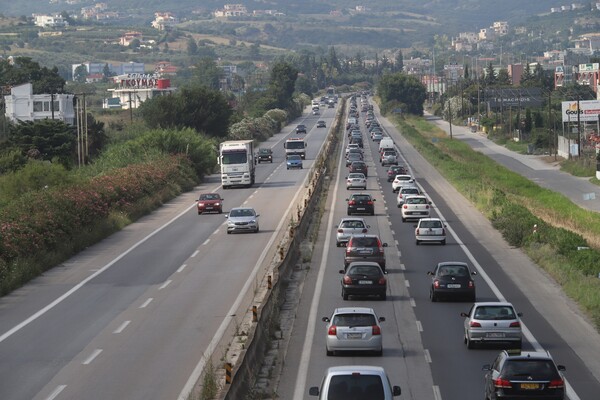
355, 387
353, 224
411, 190
536, 369
354, 320
361, 198
365, 242
453, 270
430, 224
495, 312
364, 270
415, 200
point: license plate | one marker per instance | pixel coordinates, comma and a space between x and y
365, 252
494, 334
365, 282
530, 386
360, 208
453, 286
354, 336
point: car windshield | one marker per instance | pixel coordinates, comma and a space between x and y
356, 387
365, 242
244, 212
537, 369
352, 224
453, 270
495, 313
354, 320
430, 224
210, 196
294, 158
265, 151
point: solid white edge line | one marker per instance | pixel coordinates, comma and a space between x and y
403, 267
56, 392
92, 357
75, 288
412, 302
122, 327
189, 386
407, 283
436, 392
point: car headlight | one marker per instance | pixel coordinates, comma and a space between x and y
253, 221
201, 204
217, 204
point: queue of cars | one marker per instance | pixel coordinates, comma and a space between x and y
514, 374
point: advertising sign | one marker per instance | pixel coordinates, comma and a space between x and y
514, 97
588, 111
140, 81
589, 67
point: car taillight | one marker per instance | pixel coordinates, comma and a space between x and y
556, 384
365, 230
471, 284
376, 330
347, 280
370, 202
515, 324
351, 202
340, 231
332, 330
417, 231
405, 206
502, 383
474, 324
427, 207
381, 281
436, 284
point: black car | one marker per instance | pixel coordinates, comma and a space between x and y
321, 124
353, 156
452, 279
524, 375
365, 247
364, 279
395, 170
301, 128
359, 166
357, 140
361, 203
265, 155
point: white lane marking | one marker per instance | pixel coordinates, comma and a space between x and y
300, 387
217, 231
251, 196
419, 326
206, 242
92, 356
396, 242
427, 356
403, 267
181, 268
146, 303
412, 302
56, 392
194, 254
164, 285
245, 202
122, 327
407, 283
189, 386
75, 288
436, 392
526, 332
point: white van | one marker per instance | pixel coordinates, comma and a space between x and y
386, 144
344, 382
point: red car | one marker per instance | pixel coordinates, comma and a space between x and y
210, 202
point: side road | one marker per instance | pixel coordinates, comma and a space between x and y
541, 290
579, 190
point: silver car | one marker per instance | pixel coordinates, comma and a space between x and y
349, 227
354, 329
242, 219
492, 322
430, 230
356, 180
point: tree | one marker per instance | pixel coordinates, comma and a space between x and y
399, 62
23, 70
80, 74
528, 123
403, 90
192, 47
208, 73
106, 73
198, 107
527, 78
283, 84
503, 77
46, 139
490, 75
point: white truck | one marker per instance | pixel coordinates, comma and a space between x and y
295, 146
236, 158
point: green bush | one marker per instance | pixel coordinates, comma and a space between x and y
515, 223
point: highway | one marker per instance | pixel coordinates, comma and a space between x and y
423, 341
134, 316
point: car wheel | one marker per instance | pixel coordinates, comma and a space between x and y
337, 244
344, 295
520, 344
444, 242
432, 296
257, 230
379, 353
372, 212
349, 213
229, 232
328, 352
383, 296
199, 213
403, 219
417, 242
288, 168
469, 342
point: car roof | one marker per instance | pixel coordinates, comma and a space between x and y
345, 369
242, 208
352, 219
364, 235
430, 219
452, 263
524, 355
357, 310
493, 303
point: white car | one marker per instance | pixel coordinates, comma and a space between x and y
354, 329
348, 227
242, 219
405, 191
342, 382
415, 207
352, 146
356, 180
402, 180
430, 230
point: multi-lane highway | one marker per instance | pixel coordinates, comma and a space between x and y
133, 317
423, 341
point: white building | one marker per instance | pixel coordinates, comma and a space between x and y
231, 10
133, 89
50, 21
23, 105
500, 28
164, 21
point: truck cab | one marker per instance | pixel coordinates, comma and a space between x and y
295, 146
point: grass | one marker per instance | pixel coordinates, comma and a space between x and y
584, 166
484, 182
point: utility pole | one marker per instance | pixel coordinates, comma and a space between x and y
578, 126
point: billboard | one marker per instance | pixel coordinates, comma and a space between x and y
499, 98
589, 67
588, 110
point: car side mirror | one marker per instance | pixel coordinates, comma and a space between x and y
464, 314
368, 226
561, 368
396, 391
473, 273
325, 319
430, 273
226, 215
374, 199
430, 203
445, 226
341, 271
520, 314
257, 215
486, 367
381, 319
385, 245
313, 391
414, 226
